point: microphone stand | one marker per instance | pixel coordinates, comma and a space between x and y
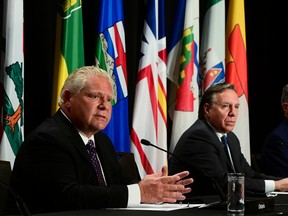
214, 182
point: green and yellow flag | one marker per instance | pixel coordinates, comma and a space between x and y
69, 49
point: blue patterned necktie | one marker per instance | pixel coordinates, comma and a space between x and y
228, 154
95, 161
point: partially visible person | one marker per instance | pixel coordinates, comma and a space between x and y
53, 171
274, 154
201, 151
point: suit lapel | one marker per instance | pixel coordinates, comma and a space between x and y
72, 136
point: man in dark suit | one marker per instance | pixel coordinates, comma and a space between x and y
53, 170
275, 150
201, 151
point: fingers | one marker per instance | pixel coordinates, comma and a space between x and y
182, 174
162, 172
159, 187
177, 178
186, 190
174, 189
172, 197
186, 181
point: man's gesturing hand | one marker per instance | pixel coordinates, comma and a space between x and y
159, 187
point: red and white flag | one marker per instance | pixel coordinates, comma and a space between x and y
150, 107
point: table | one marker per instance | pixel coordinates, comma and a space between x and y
280, 208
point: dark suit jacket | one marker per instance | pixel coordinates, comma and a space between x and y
275, 151
53, 172
200, 151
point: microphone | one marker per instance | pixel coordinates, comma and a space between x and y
214, 182
22, 207
147, 143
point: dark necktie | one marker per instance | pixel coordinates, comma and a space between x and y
228, 154
95, 161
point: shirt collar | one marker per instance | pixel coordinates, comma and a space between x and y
85, 138
219, 135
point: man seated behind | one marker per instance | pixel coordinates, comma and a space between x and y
201, 151
275, 150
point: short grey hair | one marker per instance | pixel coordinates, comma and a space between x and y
284, 96
77, 80
209, 96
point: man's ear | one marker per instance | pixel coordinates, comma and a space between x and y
206, 109
66, 96
285, 107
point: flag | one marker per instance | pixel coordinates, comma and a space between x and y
69, 47
12, 80
183, 69
111, 56
212, 52
236, 69
150, 107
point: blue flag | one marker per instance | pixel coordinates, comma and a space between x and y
111, 56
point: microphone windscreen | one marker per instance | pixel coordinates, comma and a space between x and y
145, 142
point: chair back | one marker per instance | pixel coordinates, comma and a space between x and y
5, 173
128, 164
256, 162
